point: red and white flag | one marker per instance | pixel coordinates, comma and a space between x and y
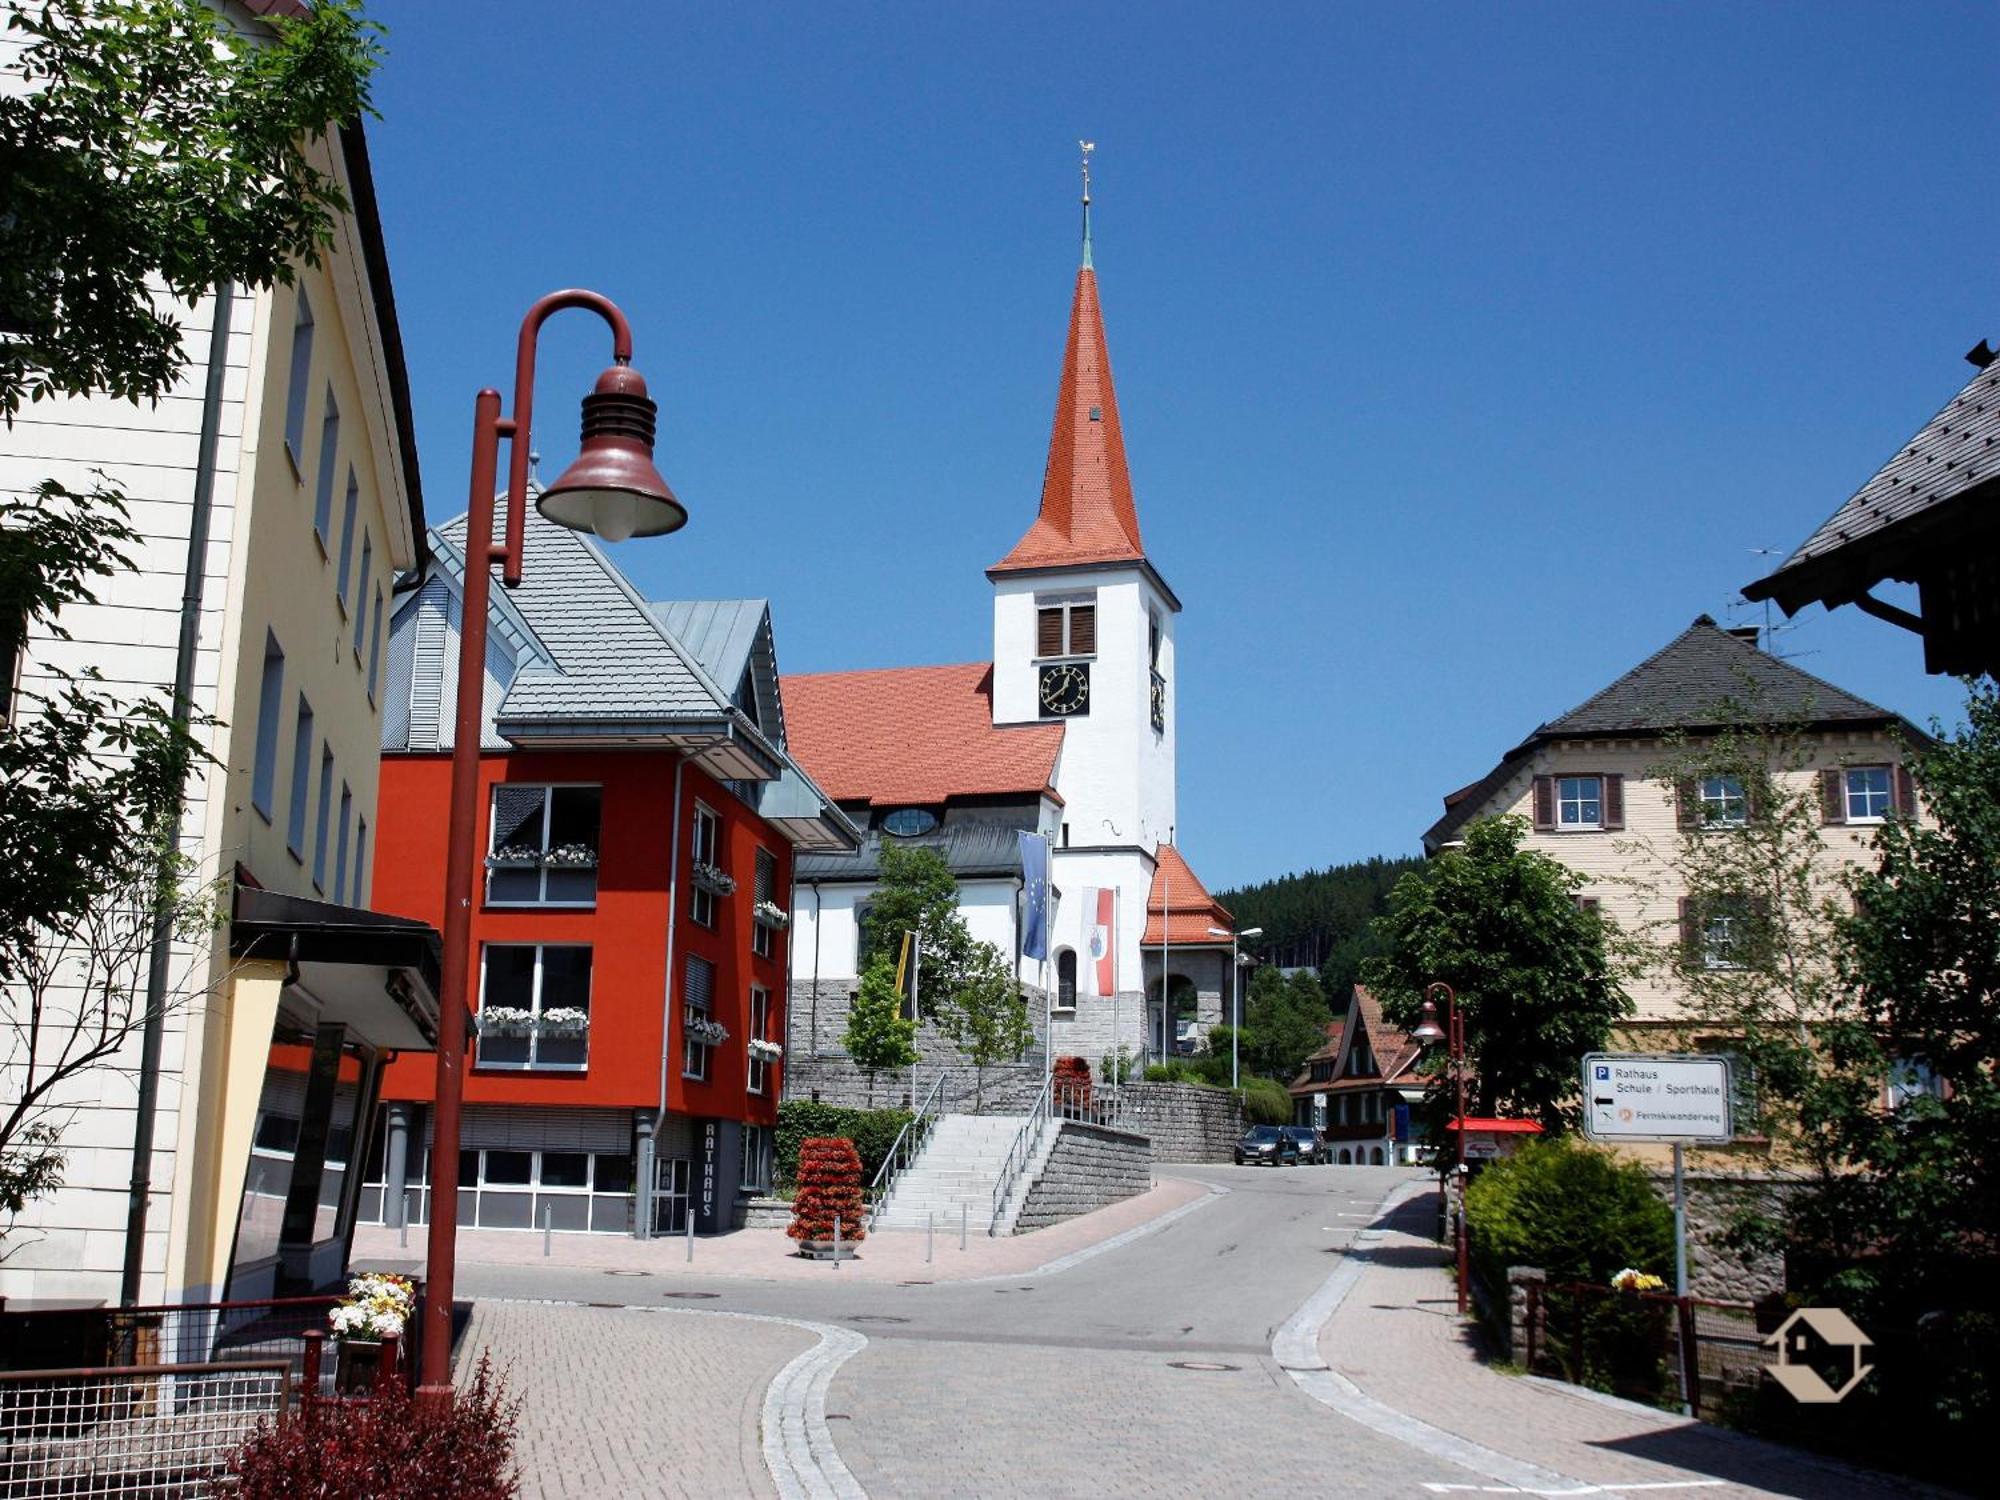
1098, 918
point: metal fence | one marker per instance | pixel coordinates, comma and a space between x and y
194, 1333
156, 1431
1648, 1346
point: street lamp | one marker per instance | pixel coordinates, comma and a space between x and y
1428, 1032
614, 490
1235, 989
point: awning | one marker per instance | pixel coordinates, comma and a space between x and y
376, 974
1495, 1126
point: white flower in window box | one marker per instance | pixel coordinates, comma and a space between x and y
770, 914
564, 1020
766, 1052
570, 857
714, 880
514, 857
701, 1029
505, 1020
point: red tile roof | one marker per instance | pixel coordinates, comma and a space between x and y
914, 735
1087, 514
1179, 909
1396, 1051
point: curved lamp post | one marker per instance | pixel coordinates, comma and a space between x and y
1428, 1032
1235, 991
614, 490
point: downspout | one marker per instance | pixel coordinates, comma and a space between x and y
642, 1216
152, 1039
785, 1039
815, 994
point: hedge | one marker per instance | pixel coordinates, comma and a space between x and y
1579, 1213
873, 1132
1266, 1102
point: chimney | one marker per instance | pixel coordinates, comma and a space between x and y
1746, 632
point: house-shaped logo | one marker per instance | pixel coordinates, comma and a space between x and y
1809, 1342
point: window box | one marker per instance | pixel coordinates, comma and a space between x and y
506, 1020
770, 914
564, 1020
570, 857
700, 1028
714, 880
545, 845
514, 858
766, 1052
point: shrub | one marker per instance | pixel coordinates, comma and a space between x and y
1070, 1083
1579, 1213
873, 1132
1122, 1065
1174, 1072
1266, 1102
829, 1187
390, 1444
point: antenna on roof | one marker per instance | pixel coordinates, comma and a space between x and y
1087, 147
1771, 628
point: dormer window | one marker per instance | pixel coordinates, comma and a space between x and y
1066, 627
909, 822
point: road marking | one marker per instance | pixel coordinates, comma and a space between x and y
1588, 1489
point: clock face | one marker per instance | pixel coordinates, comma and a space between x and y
1159, 704
1065, 690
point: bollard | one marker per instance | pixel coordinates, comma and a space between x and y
690, 1224
961, 1226
928, 1227
548, 1232
403, 1229
836, 1242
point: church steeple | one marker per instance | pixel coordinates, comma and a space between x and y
1087, 514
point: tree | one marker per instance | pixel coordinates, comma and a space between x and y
917, 893
1284, 1020
879, 1035
1320, 918
987, 1017
1501, 925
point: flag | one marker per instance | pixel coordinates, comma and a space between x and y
1098, 908
1035, 886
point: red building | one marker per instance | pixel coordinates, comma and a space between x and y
639, 817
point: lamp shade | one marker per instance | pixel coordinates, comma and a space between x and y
612, 488
1428, 1030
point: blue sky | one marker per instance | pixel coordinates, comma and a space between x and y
1465, 352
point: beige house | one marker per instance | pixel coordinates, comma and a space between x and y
1590, 785
289, 440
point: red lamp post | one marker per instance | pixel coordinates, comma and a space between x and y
614, 490
1427, 1032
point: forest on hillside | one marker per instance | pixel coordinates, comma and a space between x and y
1320, 919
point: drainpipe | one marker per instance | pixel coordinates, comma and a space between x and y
785, 1037
161, 957
649, 1144
815, 994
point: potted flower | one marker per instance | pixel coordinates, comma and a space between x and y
514, 857
713, 879
505, 1020
710, 1033
564, 1020
379, 1306
571, 857
1071, 1079
766, 1052
770, 914
1631, 1280
829, 1193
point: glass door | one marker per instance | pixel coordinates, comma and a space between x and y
671, 1176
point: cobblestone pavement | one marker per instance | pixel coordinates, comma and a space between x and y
621, 1401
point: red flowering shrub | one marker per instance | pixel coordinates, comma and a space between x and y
1071, 1082
829, 1185
390, 1444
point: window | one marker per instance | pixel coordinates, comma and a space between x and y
1722, 932
1066, 627
763, 937
360, 862
325, 812
1579, 803
1911, 1079
270, 699
760, 1023
329, 457
697, 1029
534, 1006
295, 392
909, 822
346, 569
756, 1159
367, 570
1868, 794
302, 744
375, 645
544, 846
10, 666
1724, 804
1066, 979
707, 845
568, 1190
340, 843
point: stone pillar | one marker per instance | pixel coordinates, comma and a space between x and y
645, 1124
1519, 1280
396, 1166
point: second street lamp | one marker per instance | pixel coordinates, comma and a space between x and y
1427, 1032
1235, 991
613, 489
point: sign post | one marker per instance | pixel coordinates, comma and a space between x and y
1678, 1098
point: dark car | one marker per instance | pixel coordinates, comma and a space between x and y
1266, 1146
1312, 1148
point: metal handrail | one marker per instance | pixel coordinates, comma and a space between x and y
909, 1140
1017, 1156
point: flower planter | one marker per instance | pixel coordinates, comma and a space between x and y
715, 882
824, 1250
357, 1366
769, 914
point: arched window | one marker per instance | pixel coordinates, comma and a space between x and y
1066, 979
1374, 1156
1346, 1158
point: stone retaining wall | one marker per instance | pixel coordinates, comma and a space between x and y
1714, 1200
1090, 1167
1185, 1122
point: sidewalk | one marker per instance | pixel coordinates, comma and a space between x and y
889, 1255
1396, 1336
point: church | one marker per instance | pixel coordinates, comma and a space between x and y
1068, 731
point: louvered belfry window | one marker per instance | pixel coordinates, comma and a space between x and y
1067, 629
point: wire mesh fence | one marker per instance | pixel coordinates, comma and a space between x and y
1648, 1346
195, 1333
154, 1431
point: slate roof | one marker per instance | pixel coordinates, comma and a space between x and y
729, 637
1179, 909
1702, 679
915, 736
1956, 453
985, 848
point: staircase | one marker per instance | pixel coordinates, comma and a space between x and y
957, 1173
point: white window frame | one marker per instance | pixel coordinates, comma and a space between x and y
533, 1063
702, 905
548, 790
534, 1189
1849, 792
760, 1022
1719, 806
1565, 801
1910, 1079
757, 1154
1723, 931
694, 1053
763, 939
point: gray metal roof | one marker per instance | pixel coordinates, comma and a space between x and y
730, 637
1957, 451
988, 847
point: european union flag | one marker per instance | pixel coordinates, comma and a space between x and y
1035, 885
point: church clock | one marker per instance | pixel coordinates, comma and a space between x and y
1065, 689
1159, 704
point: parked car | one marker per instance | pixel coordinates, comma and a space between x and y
1313, 1150
1266, 1146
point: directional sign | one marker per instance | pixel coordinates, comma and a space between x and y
1641, 1096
